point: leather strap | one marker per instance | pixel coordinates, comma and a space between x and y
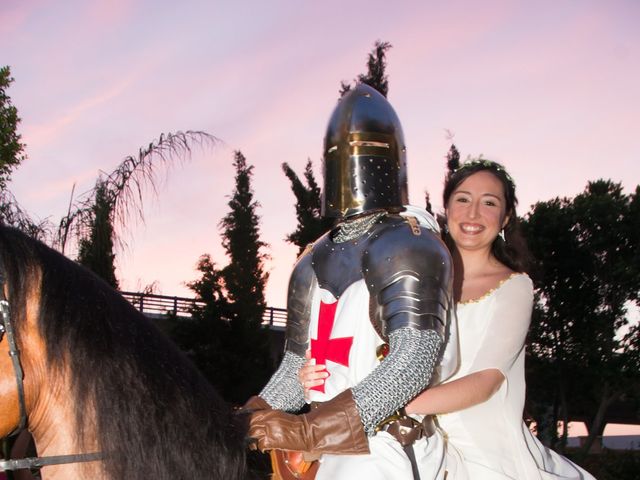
14, 353
408, 449
413, 223
39, 462
407, 431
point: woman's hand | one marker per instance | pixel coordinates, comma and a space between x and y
311, 375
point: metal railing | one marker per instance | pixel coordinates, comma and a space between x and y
157, 305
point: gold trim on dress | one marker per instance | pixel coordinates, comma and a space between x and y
489, 292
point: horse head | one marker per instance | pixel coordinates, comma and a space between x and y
99, 377
13, 388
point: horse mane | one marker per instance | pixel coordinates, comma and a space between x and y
156, 415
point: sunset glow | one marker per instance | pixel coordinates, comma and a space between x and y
547, 88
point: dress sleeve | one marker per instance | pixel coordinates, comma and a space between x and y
507, 326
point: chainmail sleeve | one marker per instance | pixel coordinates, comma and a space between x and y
404, 373
284, 391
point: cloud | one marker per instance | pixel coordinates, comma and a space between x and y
14, 15
38, 135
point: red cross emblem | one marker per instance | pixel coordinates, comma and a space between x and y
326, 348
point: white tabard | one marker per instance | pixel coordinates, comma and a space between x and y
343, 338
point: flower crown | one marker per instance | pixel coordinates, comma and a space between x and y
489, 164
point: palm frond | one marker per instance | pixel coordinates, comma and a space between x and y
12, 214
125, 187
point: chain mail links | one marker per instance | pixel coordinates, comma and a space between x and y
284, 391
404, 373
354, 228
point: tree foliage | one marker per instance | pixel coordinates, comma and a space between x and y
453, 159
587, 277
12, 214
11, 146
96, 251
246, 341
209, 288
311, 224
244, 276
11, 156
224, 336
453, 162
232, 355
204, 336
376, 75
97, 218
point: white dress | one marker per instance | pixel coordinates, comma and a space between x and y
490, 441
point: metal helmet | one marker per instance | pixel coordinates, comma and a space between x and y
365, 165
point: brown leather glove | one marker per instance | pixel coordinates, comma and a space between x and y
333, 427
256, 403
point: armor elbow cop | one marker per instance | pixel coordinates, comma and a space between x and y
409, 278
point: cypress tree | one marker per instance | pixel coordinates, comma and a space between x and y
244, 277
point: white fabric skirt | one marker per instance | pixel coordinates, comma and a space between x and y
387, 461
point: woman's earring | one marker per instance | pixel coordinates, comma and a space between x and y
501, 235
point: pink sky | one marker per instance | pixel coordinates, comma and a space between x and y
548, 88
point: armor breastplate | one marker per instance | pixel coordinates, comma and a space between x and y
338, 265
407, 271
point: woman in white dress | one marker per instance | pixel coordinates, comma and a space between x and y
480, 407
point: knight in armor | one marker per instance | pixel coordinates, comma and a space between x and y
380, 278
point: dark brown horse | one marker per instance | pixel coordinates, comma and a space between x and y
99, 377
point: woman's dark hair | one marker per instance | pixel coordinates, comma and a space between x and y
512, 251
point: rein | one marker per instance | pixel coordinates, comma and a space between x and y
35, 463
14, 353
6, 328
